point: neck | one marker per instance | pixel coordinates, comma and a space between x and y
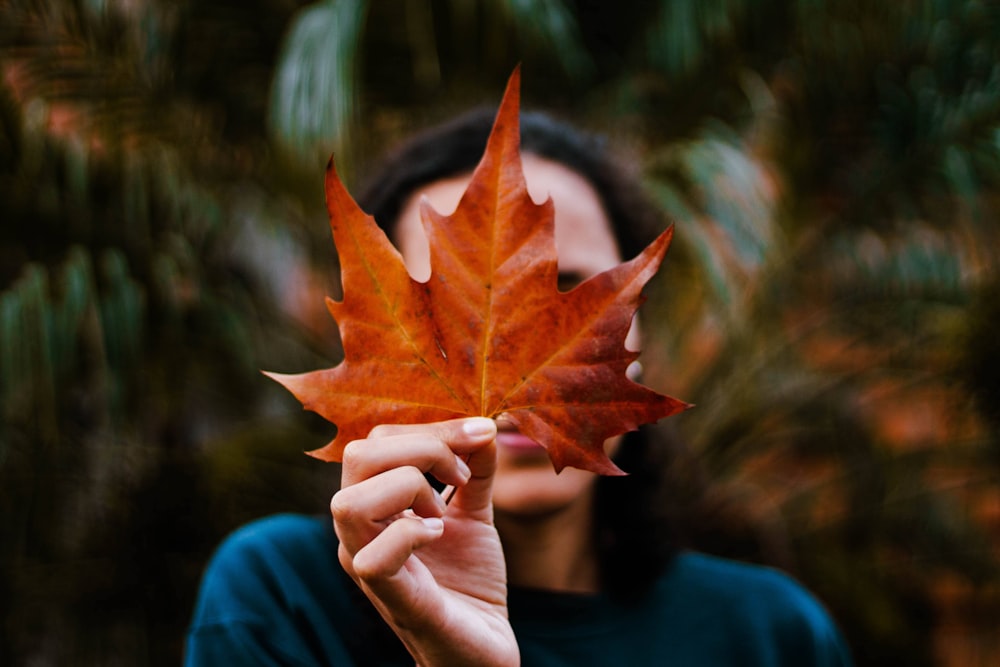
552, 551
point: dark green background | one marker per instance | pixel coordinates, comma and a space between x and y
830, 302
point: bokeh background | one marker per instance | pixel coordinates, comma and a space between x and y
831, 302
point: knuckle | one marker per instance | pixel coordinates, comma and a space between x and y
380, 431
341, 508
367, 568
412, 477
353, 452
346, 560
441, 448
363, 569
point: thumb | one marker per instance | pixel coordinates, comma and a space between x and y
476, 495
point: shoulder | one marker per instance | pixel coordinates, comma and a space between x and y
275, 594
736, 582
761, 608
283, 537
259, 560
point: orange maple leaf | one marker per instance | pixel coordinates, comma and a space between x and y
489, 333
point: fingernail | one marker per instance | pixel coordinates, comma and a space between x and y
441, 503
463, 467
479, 427
433, 524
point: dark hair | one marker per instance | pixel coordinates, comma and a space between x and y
636, 526
456, 146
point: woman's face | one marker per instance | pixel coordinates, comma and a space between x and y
525, 482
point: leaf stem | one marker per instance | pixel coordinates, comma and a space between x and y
448, 492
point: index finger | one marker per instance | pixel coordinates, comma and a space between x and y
461, 434
435, 448
476, 495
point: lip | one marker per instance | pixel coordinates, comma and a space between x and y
512, 440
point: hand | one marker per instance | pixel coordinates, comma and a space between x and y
435, 572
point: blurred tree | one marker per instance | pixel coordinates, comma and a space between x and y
832, 167
142, 281
840, 223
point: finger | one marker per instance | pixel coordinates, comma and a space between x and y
392, 445
420, 448
382, 558
477, 494
462, 435
362, 511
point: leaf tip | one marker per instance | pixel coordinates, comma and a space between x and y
679, 406
338, 200
596, 462
296, 384
328, 453
506, 126
515, 78
272, 375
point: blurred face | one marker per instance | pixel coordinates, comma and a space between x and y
525, 482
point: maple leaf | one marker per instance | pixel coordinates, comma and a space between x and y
489, 333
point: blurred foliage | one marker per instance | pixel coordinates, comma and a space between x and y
830, 303
317, 71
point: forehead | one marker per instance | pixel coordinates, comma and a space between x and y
584, 240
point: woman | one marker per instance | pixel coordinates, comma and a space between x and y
522, 565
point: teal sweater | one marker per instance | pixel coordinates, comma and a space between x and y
274, 594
